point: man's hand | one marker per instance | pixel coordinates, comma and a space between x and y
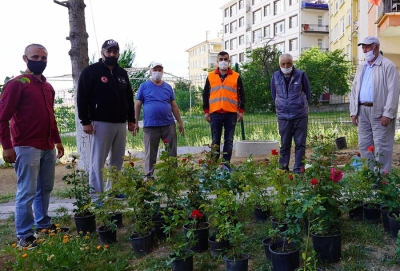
240, 117
60, 150
88, 129
354, 120
136, 128
385, 121
131, 128
181, 129
9, 155
207, 116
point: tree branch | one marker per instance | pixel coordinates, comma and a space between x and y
63, 3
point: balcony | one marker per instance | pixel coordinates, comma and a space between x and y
315, 28
321, 49
389, 21
320, 5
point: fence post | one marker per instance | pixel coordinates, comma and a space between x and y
242, 122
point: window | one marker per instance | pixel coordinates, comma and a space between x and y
293, 21
241, 57
233, 10
241, 22
292, 2
226, 13
241, 5
341, 2
319, 20
233, 26
348, 15
279, 28
241, 40
280, 47
336, 6
267, 10
267, 31
227, 28
348, 52
234, 59
278, 7
226, 45
257, 16
342, 26
293, 45
319, 43
256, 35
203, 63
335, 33
256, 1
233, 44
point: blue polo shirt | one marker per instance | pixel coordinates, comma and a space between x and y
366, 90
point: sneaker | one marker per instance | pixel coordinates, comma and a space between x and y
53, 228
28, 242
120, 197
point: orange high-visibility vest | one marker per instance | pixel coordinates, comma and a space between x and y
223, 95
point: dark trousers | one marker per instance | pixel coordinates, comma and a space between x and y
228, 122
296, 129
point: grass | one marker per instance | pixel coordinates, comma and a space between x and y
6, 197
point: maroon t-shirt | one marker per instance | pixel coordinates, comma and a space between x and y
29, 106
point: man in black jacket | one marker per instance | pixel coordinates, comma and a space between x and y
105, 104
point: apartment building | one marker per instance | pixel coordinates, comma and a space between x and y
344, 27
290, 25
202, 57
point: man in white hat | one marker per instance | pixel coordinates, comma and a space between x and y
373, 104
159, 110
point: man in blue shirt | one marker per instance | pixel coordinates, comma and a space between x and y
159, 110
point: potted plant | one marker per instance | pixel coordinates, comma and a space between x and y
199, 228
80, 189
108, 227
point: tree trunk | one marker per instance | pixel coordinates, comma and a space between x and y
79, 60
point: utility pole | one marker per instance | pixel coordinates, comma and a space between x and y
79, 60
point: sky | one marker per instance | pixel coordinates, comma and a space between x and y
159, 30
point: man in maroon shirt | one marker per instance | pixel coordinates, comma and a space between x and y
27, 114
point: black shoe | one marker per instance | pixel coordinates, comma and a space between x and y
28, 242
53, 228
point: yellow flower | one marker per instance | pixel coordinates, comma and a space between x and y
24, 255
65, 240
25, 248
14, 245
87, 237
50, 257
98, 247
44, 230
52, 234
105, 246
57, 225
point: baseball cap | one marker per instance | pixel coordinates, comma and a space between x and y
155, 64
369, 40
110, 43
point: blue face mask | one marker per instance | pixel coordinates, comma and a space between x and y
36, 67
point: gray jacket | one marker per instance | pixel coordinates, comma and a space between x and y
386, 86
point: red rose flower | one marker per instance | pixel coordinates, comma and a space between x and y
291, 177
336, 175
315, 137
165, 140
132, 164
200, 161
314, 181
196, 214
384, 183
310, 142
303, 169
358, 154
184, 159
371, 149
274, 152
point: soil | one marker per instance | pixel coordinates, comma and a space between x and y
8, 178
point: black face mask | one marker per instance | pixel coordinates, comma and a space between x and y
36, 67
111, 61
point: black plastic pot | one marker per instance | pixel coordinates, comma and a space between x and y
117, 217
107, 236
287, 260
201, 237
141, 245
266, 243
85, 224
240, 263
281, 226
385, 218
341, 143
217, 248
183, 263
260, 215
357, 212
328, 248
372, 213
393, 223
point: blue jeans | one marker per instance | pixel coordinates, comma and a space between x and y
228, 122
35, 180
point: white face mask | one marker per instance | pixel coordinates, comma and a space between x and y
156, 76
286, 70
369, 55
223, 65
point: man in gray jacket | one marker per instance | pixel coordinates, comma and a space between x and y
291, 92
373, 104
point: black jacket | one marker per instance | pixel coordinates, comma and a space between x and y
105, 95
